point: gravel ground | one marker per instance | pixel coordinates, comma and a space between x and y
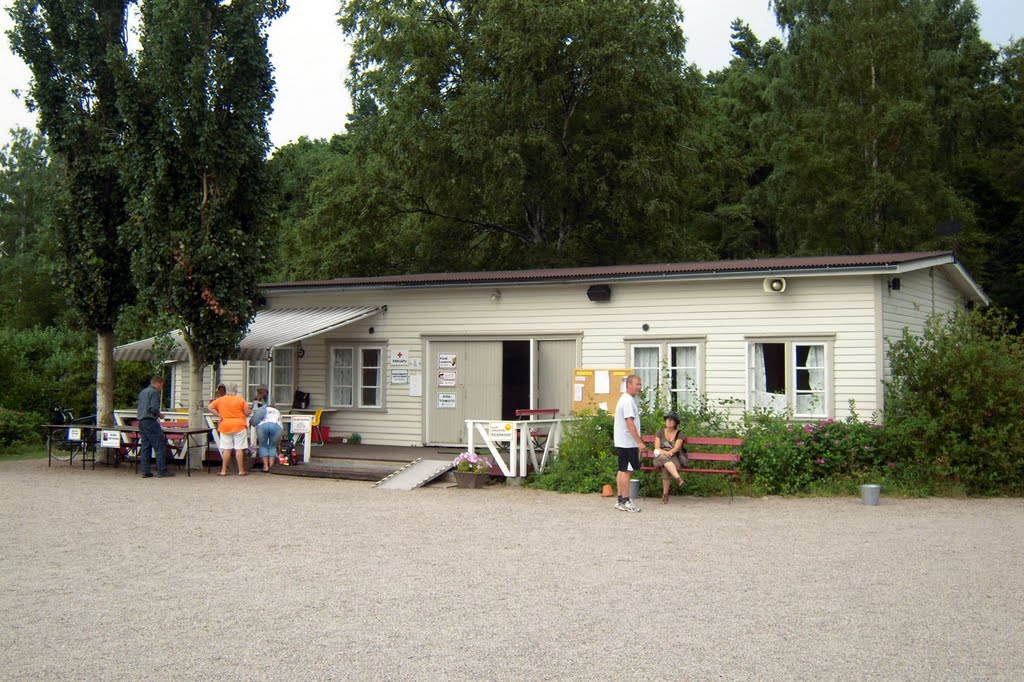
108, 576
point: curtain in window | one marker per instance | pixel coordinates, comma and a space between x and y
342, 375
284, 370
645, 364
683, 373
759, 394
810, 395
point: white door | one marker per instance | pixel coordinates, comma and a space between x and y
556, 361
464, 382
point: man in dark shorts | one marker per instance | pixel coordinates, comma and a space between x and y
628, 442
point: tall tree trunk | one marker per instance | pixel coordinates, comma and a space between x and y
105, 378
196, 401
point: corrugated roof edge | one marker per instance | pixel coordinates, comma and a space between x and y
733, 267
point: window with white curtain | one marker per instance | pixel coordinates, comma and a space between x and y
669, 370
277, 376
255, 376
790, 376
357, 376
282, 380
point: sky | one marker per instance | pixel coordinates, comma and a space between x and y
310, 58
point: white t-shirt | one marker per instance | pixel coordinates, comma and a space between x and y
625, 409
273, 416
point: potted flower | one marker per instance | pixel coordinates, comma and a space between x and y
471, 470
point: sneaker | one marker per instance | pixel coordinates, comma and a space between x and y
630, 507
147, 474
621, 506
166, 474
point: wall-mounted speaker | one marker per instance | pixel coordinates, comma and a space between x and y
599, 292
773, 285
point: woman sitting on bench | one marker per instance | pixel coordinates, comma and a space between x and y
669, 455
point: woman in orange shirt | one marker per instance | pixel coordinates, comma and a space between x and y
232, 410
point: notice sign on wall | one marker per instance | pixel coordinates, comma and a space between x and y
447, 378
399, 376
398, 357
446, 360
446, 401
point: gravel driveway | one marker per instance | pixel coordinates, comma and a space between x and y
109, 576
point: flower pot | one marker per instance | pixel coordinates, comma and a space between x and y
469, 479
606, 490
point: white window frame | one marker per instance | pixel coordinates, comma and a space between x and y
664, 373
798, 377
360, 376
278, 376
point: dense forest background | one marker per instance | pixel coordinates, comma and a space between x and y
493, 135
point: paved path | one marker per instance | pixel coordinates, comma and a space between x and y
108, 576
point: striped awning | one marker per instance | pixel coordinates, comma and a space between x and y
271, 329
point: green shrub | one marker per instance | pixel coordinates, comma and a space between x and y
18, 428
773, 456
586, 457
781, 457
953, 403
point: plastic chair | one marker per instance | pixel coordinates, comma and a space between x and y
316, 434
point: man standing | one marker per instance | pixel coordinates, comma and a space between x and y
627, 441
151, 436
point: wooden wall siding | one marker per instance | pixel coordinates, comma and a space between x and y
725, 313
922, 293
232, 372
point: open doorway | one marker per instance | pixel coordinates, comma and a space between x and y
515, 378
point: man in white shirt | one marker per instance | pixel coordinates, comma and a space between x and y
628, 442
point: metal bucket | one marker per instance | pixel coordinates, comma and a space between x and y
634, 488
870, 494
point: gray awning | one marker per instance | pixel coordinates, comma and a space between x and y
271, 329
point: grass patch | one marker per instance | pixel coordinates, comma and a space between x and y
18, 452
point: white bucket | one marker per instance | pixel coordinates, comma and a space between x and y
870, 494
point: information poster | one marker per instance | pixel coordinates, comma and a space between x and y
110, 439
399, 376
446, 401
447, 378
446, 360
597, 389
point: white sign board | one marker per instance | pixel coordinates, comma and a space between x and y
446, 401
416, 384
399, 376
500, 430
447, 378
74, 434
446, 360
110, 439
398, 357
302, 423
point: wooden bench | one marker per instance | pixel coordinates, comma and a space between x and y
538, 435
728, 451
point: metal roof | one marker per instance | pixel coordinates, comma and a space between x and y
753, 266
270, 329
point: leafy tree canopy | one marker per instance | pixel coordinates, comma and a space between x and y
486, 127
197, 98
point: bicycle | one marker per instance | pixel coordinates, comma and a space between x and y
59, 446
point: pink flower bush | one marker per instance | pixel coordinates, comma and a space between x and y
472, 462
